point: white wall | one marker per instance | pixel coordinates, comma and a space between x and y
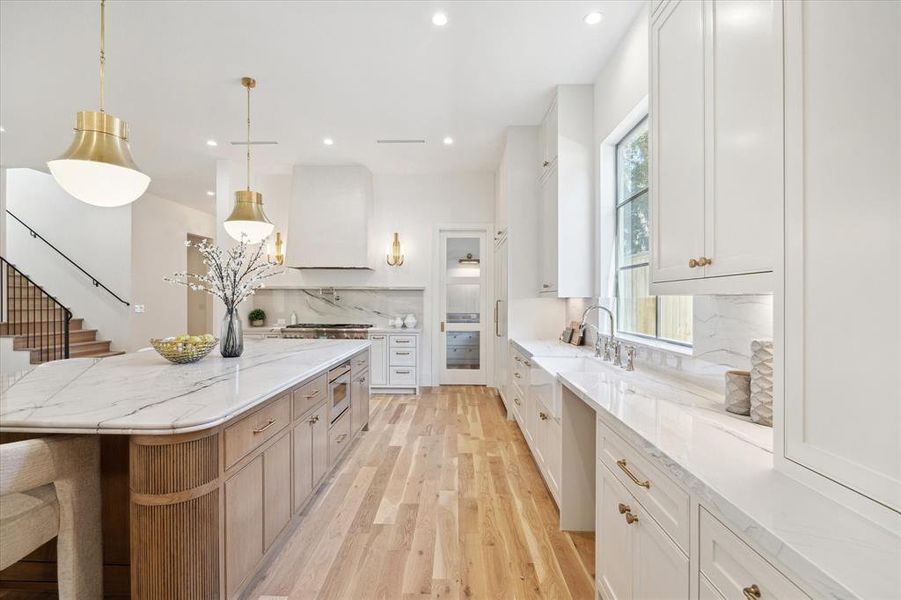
159, 230
411, 205
98, 239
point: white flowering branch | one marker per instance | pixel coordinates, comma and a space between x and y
233, 275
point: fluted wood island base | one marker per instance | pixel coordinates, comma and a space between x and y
207, 506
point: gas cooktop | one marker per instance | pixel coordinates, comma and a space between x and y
330, 326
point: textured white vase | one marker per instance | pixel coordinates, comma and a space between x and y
762, 382
738, 392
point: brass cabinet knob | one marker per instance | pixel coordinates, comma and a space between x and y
704, 261
751, 592
630, 518
545, 163
542, 416
692, 263
624, 508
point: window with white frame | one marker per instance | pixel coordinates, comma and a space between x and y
665, 318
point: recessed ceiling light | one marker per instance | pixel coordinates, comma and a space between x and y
328, 141
212, 143
210, 193
439, 19
448, 141
593, 18
2, 129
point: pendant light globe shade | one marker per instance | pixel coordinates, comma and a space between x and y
98, 168
248, 221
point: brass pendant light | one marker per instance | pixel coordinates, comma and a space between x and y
98, 168
247, 220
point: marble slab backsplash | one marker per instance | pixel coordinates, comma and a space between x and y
723, 328
346, 306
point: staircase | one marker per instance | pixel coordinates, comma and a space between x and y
40, 325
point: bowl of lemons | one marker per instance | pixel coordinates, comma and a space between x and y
183, 349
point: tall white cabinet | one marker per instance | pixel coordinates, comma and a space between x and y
716, 145
565, 171
839, 318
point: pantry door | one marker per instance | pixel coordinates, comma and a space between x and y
463, 293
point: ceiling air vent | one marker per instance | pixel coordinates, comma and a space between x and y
254, 143
400, 141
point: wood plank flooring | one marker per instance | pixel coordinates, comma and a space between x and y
439, 499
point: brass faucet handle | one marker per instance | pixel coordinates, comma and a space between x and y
630, 358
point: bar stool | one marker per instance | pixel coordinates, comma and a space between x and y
50, 487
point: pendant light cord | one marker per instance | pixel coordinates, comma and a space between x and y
102, 51
248, 138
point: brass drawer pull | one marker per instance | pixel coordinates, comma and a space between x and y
621, 463
376, 337
517, 375
624, 508
341, 438
265, 427
630, 518
527, 363
752, 592
313, 395
314, 419
402, 353
516, 401
399, 372
542, 416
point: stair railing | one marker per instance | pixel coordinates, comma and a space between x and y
27, 310
93, 279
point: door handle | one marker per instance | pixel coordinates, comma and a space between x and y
497, 323
442, 326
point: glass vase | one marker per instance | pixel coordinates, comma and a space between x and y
231, 338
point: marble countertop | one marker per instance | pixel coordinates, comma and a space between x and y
532, 348
142, 393
727, 463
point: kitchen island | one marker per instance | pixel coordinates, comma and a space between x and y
204, 465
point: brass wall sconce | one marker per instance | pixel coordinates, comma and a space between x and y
395, 259
279, 256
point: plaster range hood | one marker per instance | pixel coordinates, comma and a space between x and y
328, 222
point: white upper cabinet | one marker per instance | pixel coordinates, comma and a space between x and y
716, 145
566, 265
842, 325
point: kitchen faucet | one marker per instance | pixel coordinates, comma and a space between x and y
611, 342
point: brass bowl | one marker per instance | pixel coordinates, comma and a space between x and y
183, 352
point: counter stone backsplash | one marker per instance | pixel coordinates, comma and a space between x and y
723, 329
377, 307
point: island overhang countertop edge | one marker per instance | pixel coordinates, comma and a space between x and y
188, 398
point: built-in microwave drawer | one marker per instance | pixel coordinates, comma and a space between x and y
658, 494
250, 432
402, 357
309, 395
401, 376
735, 570
402, 341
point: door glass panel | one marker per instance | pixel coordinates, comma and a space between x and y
463, 280
463, 350
464, 297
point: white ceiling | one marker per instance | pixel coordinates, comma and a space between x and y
352, 71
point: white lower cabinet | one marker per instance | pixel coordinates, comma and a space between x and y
734, 570
393, 361
635, 558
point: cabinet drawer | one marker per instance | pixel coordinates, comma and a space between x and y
338, 438
658, 495
359, 363
402, 357
251, 431
401, 341
519, 367
401, 376
733, 568
309, 395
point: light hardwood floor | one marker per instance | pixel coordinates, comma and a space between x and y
439, 499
